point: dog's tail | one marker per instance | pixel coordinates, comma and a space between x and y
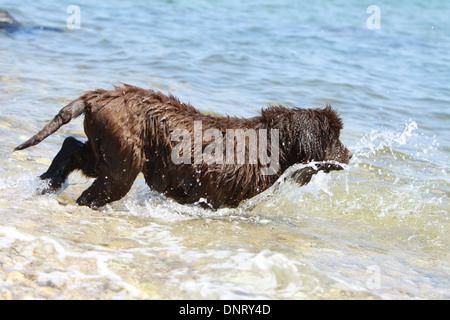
69, 112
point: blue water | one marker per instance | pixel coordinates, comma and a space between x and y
390, 85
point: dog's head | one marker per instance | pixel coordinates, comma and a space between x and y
335, 150
317, 133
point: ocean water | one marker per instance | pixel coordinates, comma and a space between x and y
377, 230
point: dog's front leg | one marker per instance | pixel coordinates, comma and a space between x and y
107, 188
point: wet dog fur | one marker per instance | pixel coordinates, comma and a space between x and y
129, 132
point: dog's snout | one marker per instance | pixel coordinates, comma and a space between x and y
349, 154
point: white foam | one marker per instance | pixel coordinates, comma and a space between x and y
249, 275
11, 234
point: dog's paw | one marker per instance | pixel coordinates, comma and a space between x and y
48, 186
90, 201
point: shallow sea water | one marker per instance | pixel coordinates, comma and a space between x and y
377, 230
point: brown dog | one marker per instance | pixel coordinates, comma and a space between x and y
184, 154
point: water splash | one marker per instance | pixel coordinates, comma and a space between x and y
370, 144
392, 174
403, 169
409, 143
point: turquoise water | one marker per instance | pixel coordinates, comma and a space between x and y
377, 230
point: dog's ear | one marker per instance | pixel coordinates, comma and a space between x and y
334, 121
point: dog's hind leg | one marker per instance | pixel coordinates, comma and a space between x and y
73, 155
